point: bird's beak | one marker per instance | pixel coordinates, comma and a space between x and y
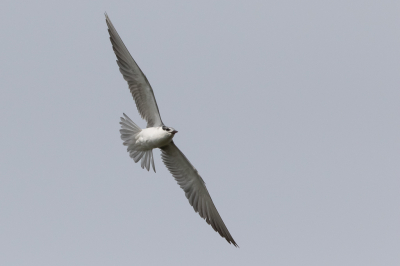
173, 132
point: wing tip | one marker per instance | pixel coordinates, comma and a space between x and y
233, 243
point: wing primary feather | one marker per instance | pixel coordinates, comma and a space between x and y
194, 187
137, 82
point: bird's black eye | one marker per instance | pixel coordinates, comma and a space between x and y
164, 128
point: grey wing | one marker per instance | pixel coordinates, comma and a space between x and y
195, 189
138, 84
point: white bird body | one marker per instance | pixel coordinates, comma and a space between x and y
141, 142
152, 137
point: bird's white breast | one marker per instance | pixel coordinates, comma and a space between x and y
152, 137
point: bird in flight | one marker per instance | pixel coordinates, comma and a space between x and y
141, 142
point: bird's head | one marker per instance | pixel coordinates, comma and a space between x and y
169, 130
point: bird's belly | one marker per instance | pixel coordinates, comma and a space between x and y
149, 139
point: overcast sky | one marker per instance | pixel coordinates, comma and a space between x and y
288, 109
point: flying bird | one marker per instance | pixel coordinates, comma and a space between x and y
141, 142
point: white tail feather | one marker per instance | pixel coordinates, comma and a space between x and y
128, 131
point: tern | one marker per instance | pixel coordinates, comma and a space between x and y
141, 142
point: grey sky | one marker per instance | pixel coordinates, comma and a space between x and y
288, 109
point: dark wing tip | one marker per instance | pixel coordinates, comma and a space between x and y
228, 238
233, 243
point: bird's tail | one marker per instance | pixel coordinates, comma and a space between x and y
128, 131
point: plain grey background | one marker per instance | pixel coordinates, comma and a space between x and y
288, 109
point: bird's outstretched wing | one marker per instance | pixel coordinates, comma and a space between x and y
195, 189
138, 84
